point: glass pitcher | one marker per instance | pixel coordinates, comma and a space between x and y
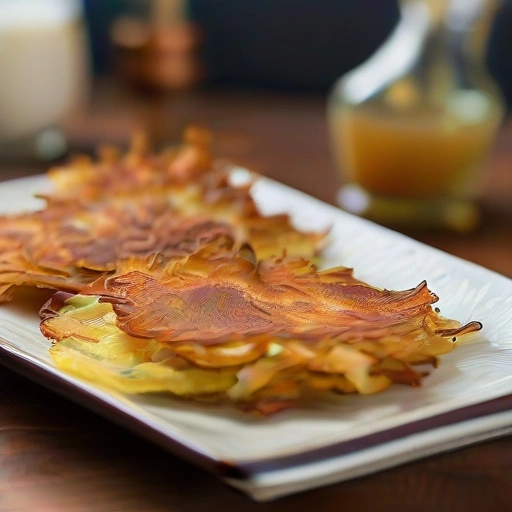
412, 127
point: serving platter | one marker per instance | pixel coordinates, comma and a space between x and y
468, 398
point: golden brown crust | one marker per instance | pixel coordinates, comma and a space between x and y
136, 205
179, 284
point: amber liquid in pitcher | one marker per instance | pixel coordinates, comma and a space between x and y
420, 153
412, 149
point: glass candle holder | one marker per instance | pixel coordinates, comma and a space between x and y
412, 127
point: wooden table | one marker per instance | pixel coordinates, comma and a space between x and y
57, 456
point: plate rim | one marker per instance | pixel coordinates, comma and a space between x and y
241, 469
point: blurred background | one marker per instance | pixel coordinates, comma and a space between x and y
284, 44
79, 73
158, 47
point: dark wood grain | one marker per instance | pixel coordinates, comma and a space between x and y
57, 456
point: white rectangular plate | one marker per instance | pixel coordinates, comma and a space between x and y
467, 399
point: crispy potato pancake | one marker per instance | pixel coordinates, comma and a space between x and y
71, 246
262, 334
137, 205
171, 280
